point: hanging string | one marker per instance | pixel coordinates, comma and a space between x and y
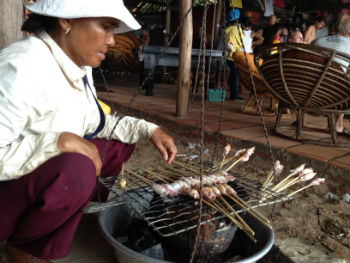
204, 28
222, 81
240, 32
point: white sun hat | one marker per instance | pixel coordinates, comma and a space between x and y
85, 8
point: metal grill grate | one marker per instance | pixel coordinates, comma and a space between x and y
172, 216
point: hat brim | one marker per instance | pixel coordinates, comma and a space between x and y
69, 9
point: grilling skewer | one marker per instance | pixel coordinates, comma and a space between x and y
186, 166
293, 172
305, 175
238, 216
243, 158
248, 230
316, 181
235, 221
161, 177
250, 210
143, 179
226, 152
122, 181
274, 173
226, 161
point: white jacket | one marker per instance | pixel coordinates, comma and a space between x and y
42, 95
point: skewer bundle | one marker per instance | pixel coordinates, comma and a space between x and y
295, 176
182, 178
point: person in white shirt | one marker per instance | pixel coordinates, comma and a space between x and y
339, 40
53, 132
249, 36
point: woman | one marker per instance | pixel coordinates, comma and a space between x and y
339, 40
48, 116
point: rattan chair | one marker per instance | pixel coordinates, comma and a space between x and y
309, 79
262, 91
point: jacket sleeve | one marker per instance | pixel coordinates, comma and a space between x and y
19, 153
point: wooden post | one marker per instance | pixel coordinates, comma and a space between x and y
167, 25
11, 19
167, 30
217, 20
184, 72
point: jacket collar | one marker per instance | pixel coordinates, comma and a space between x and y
72, 72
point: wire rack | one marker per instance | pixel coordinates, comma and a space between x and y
175, 215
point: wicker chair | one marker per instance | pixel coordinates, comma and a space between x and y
308, 79
262, 91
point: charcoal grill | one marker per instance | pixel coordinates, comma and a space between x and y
175, 219
115, 220
174, 216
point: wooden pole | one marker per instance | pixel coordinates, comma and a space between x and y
167, 25
217, 20
11, 19
167, 30
186, 34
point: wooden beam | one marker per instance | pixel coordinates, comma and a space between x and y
11, 19
167, 26
184, 73
217, 20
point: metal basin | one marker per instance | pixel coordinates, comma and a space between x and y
115, 220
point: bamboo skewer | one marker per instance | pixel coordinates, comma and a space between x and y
184, 173
244, 158
303, 176
226, 161
186, 166
161, 177
145, 180
226, 152
169, 173
122, 182
243, 228
226, 213
238, 216
294, 172
276, 171
251, 211
316, 181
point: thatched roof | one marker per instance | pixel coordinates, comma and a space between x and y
156, 6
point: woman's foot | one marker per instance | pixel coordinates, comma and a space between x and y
11, 254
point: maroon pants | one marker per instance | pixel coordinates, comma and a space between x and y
40, 212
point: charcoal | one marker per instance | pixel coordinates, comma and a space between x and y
155, 251
140, 236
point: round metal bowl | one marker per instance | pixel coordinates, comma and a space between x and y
115, 220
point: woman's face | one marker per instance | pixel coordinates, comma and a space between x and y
89, 38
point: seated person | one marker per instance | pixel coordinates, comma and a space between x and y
339, 40
296, 37
311, 31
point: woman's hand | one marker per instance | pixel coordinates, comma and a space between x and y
70, 142
165, 145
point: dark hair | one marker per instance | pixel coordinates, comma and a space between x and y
319, 19
340, 25
246, 22
36, 23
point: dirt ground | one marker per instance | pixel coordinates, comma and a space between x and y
310, 215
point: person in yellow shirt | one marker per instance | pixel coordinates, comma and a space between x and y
234, 38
